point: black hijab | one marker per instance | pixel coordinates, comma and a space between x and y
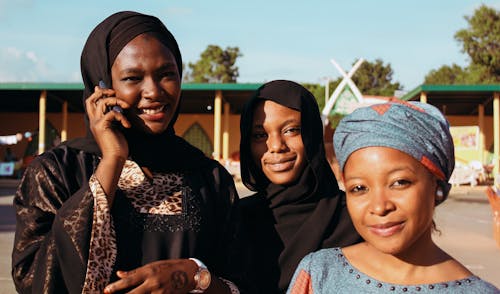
160, 152
310, 213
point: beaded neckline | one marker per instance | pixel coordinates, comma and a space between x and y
363, 278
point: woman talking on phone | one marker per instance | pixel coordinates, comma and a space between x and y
132, 206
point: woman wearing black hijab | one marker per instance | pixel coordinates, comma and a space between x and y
125, 207
298, 207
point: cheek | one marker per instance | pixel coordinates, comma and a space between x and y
257, 151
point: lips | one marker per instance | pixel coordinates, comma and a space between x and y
386, 229
280, 165
153, 110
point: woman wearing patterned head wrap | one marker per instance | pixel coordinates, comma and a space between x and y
396, 160
298, 207
131, 202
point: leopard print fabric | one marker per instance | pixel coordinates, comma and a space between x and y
102, 252
160, 196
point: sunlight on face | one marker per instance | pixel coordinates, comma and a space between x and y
145, 75
276, 142
390, 197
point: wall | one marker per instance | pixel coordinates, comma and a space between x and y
12, 123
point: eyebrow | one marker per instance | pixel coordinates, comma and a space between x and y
165, 66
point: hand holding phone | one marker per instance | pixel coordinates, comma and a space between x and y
116, 108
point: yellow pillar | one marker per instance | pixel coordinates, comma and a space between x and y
217, 123
64, 130
496, 135
423, 97
225, 134
41, 121
481, 132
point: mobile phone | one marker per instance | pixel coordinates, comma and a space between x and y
116, 108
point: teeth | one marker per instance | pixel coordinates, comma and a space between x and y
153, 110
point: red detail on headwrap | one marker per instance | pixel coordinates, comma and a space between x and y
406, 103
432, 167
381, 108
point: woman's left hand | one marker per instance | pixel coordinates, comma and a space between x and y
164, 276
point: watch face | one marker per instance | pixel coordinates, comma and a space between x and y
204, 279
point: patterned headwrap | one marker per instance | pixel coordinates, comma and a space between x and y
417, 129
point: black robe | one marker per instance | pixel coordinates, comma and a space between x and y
283, 223
54, 207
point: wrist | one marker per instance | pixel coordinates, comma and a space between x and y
202, 277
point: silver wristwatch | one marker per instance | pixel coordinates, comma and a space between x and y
202, 277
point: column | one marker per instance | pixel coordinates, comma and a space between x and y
496, 137
41, 121
64, 130
217, 123
423, 97
225, 134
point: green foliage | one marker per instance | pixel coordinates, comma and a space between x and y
319, 93
481, 41
215, 66
372, 78
446, 75
375, 78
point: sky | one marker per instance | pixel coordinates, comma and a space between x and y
41, 41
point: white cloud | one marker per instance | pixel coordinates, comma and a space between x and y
21, 66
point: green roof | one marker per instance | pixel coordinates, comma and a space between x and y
450, 88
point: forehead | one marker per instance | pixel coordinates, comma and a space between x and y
268, 111
383, 159
145, 47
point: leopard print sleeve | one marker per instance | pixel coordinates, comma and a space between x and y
102, 249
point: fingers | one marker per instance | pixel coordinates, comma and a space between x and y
167, 276
99, 104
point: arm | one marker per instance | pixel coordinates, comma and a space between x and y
43, 203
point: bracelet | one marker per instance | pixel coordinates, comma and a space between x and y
232, 287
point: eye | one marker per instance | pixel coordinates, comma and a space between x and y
169, 74
401, 183
357, 189
259, 136
292, 131
131, 78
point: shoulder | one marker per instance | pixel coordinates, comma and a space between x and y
328, 259
477, 285
57, 157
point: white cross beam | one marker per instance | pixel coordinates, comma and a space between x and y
346, 80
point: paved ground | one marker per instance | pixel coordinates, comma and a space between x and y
465, 222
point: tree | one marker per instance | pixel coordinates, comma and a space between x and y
215, 66
446, 75
481, 40
375, 78
372, 78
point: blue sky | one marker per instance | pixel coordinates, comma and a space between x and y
41, 41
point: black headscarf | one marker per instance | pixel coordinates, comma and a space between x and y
309, 214
166, 151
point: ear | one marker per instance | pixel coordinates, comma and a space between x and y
439, 195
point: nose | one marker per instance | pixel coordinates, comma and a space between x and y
275, 143
151, 89
380, 202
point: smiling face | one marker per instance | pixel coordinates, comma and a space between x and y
145, 75
391, 203
276, 142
